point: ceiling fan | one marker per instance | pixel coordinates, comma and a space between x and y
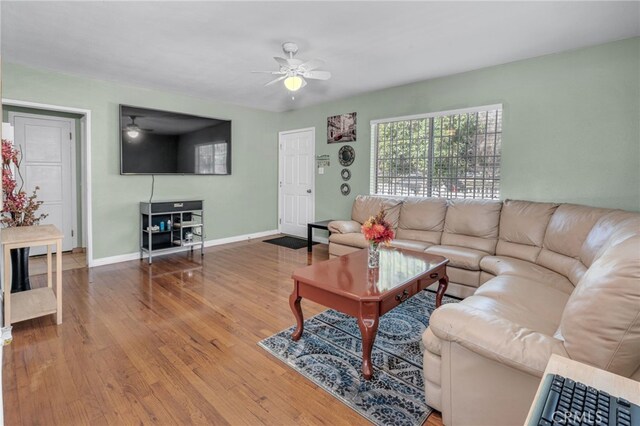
133, 130
294, 72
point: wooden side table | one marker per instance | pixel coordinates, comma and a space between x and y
40, 301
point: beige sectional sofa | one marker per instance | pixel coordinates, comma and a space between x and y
536, 278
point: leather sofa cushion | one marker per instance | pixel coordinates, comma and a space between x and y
568, 228
503, 265
365, 206
601, 322
495, 337
464, 277
524, 222
344, 226
472, 224
431, 343
409, 244
353, 239
430, 237
423, 214
522, 228
609, 229
564, 265
460, 257
523, 301
565, 235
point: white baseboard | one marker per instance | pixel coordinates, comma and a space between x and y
210, 243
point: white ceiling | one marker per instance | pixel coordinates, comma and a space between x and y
208, 49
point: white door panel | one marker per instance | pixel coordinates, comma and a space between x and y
46, 144
297, 199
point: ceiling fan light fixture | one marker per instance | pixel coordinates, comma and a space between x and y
133, 132
293, 83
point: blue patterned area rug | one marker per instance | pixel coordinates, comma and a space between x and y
330, 355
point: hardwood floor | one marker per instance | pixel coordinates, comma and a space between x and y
171, 343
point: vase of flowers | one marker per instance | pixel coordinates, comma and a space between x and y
18, 209
377, 231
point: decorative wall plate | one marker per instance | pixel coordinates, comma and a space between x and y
346, 155
346, 174
345, 189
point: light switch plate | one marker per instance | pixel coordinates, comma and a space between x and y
320, 170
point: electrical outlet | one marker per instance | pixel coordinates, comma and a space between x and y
5, 335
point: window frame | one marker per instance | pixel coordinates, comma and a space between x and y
374, 138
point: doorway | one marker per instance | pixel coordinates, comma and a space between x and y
48, 144
296, 181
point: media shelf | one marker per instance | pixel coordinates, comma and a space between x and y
182, 227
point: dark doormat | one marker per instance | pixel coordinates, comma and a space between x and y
289, 242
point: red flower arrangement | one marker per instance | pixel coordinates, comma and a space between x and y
377, 230
18, 209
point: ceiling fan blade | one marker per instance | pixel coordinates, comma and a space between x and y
304, 82
276, 80
312, 64
282, 61
318, 75
269, 72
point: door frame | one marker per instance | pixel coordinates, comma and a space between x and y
85, 179
313, 174
74, 183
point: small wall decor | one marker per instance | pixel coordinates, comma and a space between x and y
323, 160
346, 155
346, 174
341, 128
345, 189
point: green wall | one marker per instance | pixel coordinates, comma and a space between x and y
242, 203
76, 119
570, 131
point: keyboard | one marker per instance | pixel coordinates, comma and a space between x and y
563, 401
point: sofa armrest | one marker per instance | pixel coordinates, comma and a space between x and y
344, 227
495, 338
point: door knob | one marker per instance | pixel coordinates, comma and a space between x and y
308, 191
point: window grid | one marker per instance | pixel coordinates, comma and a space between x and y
455, 155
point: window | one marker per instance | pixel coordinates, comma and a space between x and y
211, 158
454, 154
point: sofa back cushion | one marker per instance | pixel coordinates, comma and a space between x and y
472, 224
365, 206
522, 228
610, 229
567, 230
601, 321
422, 219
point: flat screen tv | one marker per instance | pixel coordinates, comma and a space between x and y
162, 142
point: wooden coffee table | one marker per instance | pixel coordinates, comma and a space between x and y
347, 285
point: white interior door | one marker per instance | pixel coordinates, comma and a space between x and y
297, 186
47, 147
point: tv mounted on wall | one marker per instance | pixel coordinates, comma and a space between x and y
162, 142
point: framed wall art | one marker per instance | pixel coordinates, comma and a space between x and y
341, 128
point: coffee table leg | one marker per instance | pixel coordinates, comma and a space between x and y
443, 283
309, 238
294, 302
368, 324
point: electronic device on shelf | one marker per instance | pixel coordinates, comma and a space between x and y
563, 401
